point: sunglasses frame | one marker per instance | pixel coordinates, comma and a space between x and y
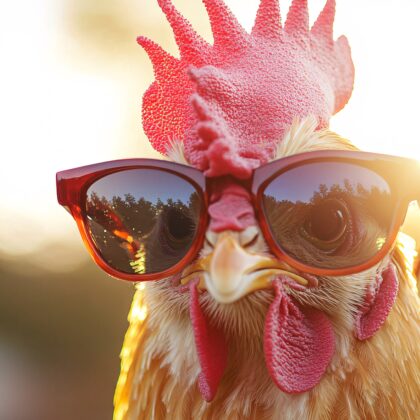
73, 184
398, 172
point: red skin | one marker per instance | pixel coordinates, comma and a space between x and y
231, 102
230, 208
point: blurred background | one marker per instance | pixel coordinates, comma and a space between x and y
71, 81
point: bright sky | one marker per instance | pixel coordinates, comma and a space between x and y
57, 113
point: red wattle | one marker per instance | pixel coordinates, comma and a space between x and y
211, 348
298, 343
370, 320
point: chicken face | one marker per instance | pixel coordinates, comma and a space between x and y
238, 291
234, 104
230, 271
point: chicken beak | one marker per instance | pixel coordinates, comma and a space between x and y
231, 272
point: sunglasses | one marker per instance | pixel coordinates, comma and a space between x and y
323, 213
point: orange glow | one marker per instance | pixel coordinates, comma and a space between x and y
139, 265
408, 246
136, 330
123, 235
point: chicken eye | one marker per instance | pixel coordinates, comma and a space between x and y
179, 225
326, 224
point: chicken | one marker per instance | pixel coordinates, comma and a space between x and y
227, 338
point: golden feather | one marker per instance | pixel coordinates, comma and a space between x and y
378, 379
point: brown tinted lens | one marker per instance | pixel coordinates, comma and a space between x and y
329, 215
142, 221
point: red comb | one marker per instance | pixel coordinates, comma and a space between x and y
232, 101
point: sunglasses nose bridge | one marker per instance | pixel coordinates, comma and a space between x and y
231, 208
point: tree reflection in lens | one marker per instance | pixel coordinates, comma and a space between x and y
147, 231
340, 217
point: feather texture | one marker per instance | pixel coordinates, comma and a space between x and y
378, 380
372, 379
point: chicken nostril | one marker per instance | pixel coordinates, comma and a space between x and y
211, 238
245, 239
251, 242
249, 237
208, 243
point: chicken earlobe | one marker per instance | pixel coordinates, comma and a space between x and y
211, 348
378, 304
298, 343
